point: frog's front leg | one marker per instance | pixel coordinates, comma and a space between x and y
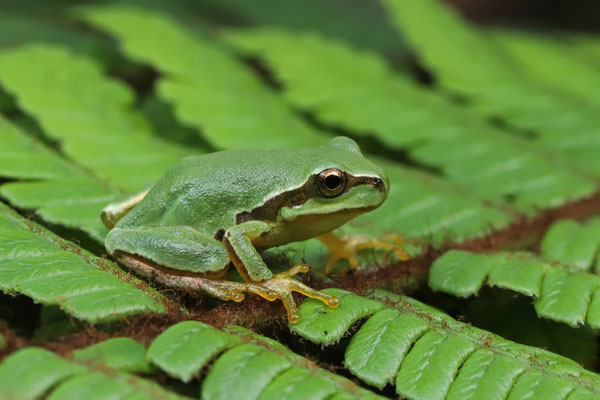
239, 242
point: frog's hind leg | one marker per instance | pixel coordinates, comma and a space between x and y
348, 248
177, 257
168, 277
113, 212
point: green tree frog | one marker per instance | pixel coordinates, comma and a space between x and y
213, 210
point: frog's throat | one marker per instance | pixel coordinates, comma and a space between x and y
269, 210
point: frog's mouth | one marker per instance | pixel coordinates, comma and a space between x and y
361, 194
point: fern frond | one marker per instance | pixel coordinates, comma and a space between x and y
60, 191
429, 355
464, 61
24, 158
88, 113
120, 354
573, 244
245, 363
459, 216
526, 50
587, 45
242, 362
316, 15
19, 27
35, 373
42, 266
561, 294
357, 90
429, 209
71, 202
185, 348
209, 88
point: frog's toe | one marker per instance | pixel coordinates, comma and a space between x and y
348, 248
237, 296
296, 269
282, 286
224, 290
328, 299
290, 306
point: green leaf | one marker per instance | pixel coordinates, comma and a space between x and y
121, 354
345, 390
184, 349
300, 384
559, 55
332, 80
316, 15
566, 296
251, 364
378, 347
428, 370
536, 385
51, 271
493, 309
265, 116
246, 369
322, 324
29, 373
461, 273
571, 243
62, 193
587, 45
97, 385
521, 275
204, 100
21, 27
429, 355
464, 61
68, 94
428, 209
24, 158
34, 373
71, 202
562, 294
491, 376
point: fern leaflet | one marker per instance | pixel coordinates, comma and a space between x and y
427, 354
562, 292
354, 89
465, 62
52, 271
35, 373
55, 94
206, 99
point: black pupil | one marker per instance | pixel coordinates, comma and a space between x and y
332, 181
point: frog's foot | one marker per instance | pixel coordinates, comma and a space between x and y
348, 248
224, 290
281, 287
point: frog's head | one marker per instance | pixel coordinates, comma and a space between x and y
340, 184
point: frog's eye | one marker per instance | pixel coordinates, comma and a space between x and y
331, 182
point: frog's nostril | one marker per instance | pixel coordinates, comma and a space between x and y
378, 183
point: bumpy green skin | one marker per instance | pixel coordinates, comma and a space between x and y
182, 219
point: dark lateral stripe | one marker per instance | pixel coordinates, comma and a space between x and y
300, 195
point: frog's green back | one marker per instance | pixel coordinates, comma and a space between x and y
207, 191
